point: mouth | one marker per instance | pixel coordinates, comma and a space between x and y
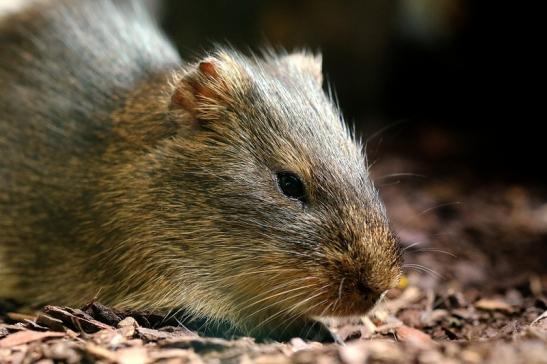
349, 305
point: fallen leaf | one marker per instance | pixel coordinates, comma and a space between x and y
353, 353
102, 313
50, 322
492, 304
413, 336
152, 334
75, 319
387, 328
409, 295
23, 337
100, 352
17, 316
109, 338
135, 355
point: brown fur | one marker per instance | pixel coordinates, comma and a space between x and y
150, 183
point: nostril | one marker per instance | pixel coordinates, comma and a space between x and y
364, 289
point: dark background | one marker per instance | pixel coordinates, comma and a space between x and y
435, 80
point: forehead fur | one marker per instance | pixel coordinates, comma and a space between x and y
273, 110
279, 104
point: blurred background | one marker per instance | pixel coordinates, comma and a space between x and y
431, 79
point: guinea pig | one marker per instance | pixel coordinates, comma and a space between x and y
228, 187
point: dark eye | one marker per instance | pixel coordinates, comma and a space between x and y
291, 185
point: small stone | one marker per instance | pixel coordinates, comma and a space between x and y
128, 321
128, 326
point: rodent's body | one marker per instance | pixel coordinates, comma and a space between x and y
148, 183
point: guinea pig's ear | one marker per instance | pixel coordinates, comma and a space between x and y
208, 86
307, 63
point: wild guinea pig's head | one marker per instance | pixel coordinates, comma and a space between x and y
271, 212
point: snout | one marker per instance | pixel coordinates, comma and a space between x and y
359, 289
360, 271
361, 296
352, 297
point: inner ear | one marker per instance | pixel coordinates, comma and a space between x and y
197, 84
208, 86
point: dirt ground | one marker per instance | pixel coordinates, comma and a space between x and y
475, 291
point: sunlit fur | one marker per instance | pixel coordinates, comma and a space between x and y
109, 189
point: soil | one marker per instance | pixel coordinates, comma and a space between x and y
474, 291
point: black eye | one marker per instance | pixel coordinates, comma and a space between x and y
291, 185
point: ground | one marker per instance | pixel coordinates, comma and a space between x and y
474, 291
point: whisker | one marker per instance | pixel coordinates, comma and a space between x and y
432, 250
446, 233
410, 246
439, 206
173, 315
165, 316
420, 267
283, 311
294, 307
290, 322
340, 288
276, 303
273, 296
426, 250
375, 135
338, 300
253, 272
383, 130
404, 174
309, 298
277, 287
388, 184
322, 313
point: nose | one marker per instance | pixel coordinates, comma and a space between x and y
364, 290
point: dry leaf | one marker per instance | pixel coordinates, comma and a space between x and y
488, 304
27, 336
413, 336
